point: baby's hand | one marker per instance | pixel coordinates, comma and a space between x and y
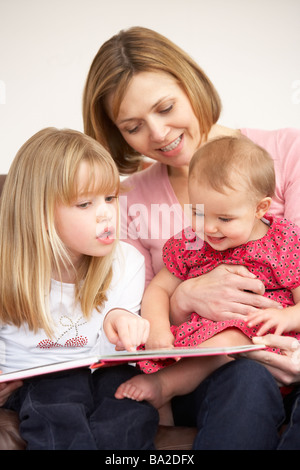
282, 320
126, 330
160, 339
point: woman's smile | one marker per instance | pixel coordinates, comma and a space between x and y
174, 147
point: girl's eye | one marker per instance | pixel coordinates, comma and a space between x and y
224, 219
110, 198
83, 205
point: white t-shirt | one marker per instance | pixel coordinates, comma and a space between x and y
74, 336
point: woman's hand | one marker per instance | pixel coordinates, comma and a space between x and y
227, 292
126, 330
284, 367
7, 388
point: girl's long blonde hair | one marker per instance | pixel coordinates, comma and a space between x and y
42, 175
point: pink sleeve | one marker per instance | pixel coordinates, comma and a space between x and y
150, 214
289, 149
284, 146
286, 240
129, 235
174, 257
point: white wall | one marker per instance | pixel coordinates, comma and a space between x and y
249, 48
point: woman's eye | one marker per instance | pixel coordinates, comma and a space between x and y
133, 130
167, 110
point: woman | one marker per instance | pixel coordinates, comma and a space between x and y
145, 96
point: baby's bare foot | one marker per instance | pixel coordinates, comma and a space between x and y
149, 388
144, 387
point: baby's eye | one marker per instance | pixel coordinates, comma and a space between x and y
225, 219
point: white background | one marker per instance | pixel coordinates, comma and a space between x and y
249, 48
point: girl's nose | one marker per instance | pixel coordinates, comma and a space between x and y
103, 213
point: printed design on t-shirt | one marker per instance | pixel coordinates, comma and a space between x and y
70, 326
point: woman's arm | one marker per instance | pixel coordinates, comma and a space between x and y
227, 292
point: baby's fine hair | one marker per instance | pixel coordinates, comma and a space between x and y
229, 162
42, 175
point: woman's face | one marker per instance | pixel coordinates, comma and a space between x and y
157, 120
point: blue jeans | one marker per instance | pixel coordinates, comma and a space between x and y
238, 407
290, 438
77, 410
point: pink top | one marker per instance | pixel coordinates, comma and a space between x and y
150, 199
274, 258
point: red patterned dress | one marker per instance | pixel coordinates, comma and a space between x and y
274, 259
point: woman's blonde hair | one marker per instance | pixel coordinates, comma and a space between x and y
42, 175
117, 61
228, 162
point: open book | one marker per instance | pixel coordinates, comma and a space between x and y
95, 362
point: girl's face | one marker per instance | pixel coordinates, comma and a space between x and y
224, 220
88, 226
157, 120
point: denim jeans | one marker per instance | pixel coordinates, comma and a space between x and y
238, 407
77, 410
290, 438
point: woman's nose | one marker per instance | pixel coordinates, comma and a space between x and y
158, 131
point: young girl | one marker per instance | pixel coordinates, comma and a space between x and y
69, 289
233, 179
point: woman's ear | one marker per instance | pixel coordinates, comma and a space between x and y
263, 207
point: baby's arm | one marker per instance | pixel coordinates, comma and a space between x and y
283, 320
156, 307
125, 329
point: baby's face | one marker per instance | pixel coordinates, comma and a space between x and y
224, 220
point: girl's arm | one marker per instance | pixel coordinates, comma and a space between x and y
282, 319
156, 308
